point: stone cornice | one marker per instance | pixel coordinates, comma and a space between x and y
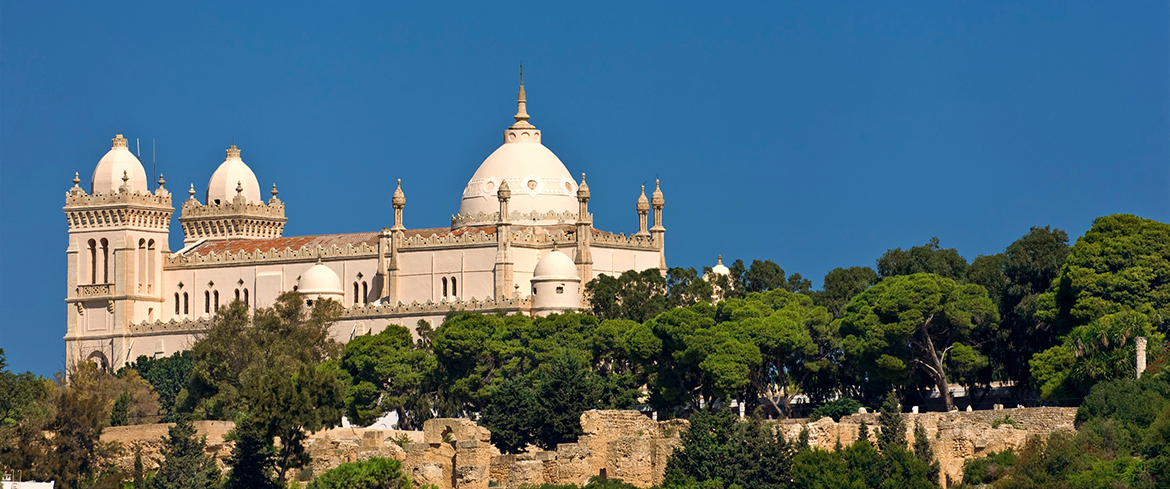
78, 198
186, 325
380, 310
88, 212
516, 218
238, 208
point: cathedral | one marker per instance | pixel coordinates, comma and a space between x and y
523, 242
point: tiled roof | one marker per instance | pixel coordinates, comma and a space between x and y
323, 240
293, 242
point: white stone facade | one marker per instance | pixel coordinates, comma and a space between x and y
129, 295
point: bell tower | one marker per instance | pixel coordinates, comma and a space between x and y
117, 243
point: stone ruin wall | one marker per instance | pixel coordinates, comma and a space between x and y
955, 436
457, 453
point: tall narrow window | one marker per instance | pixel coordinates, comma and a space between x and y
93, 262
365, 292
444, 286
454, 289
207, 302
176, 303
105, 261
186, 310
141, 265
237, 294
355, 293
151, 264
246, 297
216, 295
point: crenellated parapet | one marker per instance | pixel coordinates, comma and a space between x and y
185, 325
637, 241
516, 218
237, 219
118, 209
376, 310
303, 253
448, 239
543, 236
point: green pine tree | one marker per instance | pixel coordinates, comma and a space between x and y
893, 431
120, 416
923, 450
186, 464
252, 459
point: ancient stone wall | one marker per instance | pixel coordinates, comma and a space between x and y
955, 436
457, 453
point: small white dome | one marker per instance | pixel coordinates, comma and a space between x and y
233, 173
555, 265
719, 269
319, 280
118, 162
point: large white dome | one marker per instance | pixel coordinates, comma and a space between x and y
118, 162
538, 180
233, 173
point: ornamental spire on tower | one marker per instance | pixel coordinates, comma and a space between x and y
521, 107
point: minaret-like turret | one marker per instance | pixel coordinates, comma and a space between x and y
504, 265
643, 208
659, 231
584, 259
391, 239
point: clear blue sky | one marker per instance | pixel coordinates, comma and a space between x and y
815, 135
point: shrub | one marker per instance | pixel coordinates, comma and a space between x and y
835, 409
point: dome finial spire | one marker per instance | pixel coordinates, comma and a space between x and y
521, 107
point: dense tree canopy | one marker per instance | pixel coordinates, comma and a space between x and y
928, 258
1121, 263
276, 366
916, 324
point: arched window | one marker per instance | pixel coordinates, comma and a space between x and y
215, 294
246, 297
93, 262
186, 310
151, 264
355, 293
454, 289
444, 286
237, 294
176, 303
105, 261
365, 292
141, 265
207, 302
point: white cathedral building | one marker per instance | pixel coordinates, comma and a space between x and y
523, 242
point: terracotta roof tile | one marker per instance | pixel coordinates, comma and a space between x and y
323, 240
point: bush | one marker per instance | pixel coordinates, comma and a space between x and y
985, 470
375, 473
835, 409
